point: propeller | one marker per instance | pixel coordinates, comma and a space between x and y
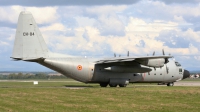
166, 61
119, 55
128, 54
114, 55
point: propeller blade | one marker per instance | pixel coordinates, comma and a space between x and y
167, 69
128, 54
119, 55
153, 53
166, 59
174, 59
114, 55
163, 51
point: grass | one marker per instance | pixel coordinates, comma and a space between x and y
52, 96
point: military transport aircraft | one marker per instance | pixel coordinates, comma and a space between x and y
30, 46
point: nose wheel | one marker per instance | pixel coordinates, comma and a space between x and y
170, 84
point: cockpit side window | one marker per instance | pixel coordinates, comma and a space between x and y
177, 64
180, 70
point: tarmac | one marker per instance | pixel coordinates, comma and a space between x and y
180, 83
187, 83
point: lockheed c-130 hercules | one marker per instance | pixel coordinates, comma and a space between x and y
30, 46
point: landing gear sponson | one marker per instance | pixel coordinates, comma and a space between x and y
112, 85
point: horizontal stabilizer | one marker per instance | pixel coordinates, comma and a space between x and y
28, 59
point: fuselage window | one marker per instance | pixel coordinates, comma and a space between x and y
161, 74
154, 74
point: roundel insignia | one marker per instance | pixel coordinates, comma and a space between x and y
79, 67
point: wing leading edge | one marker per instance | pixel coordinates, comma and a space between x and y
152, 61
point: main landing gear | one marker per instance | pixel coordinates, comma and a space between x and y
103, 84
112, 85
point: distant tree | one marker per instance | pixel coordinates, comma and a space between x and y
20, 76
32, 76
41, 76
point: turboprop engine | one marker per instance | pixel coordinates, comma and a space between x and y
154, 62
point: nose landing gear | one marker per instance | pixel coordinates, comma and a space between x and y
170, 84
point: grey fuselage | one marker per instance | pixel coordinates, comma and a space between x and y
89, 72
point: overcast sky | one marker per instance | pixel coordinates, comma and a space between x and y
100, 28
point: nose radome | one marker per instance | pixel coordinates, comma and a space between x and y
186, 74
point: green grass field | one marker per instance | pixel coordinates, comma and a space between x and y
50, 96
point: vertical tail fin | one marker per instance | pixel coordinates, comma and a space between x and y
29, 43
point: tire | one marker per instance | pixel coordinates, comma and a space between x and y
122, 85
103, 84
170, 84
113, 85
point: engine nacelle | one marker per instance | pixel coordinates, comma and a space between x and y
156, 62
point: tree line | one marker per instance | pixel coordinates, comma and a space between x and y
32, 76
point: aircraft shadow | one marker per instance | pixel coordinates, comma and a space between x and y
81, 86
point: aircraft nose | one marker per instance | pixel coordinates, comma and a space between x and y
186, 74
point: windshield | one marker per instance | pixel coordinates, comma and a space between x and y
177, 64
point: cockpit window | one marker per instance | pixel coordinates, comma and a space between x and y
180, 70
177, 64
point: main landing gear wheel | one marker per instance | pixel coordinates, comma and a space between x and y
170, 84
113, 85
122, 85
103, 84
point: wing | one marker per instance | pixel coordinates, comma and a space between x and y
152, 61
